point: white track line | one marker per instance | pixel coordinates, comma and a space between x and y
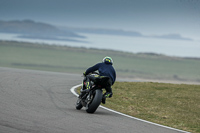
73, 91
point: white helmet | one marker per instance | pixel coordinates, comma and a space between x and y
107, 60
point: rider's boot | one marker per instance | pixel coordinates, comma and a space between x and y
106, 95
103, 100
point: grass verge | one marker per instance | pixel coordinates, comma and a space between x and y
173, 105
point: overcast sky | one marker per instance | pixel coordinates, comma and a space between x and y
149, 17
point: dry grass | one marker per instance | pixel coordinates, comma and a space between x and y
174, 105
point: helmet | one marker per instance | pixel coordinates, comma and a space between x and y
107, 60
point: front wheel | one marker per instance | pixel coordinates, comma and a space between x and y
95, 102
79, 104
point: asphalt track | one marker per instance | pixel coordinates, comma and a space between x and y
41, 102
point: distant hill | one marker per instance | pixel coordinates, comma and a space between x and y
105, 31
36, 30
118, 32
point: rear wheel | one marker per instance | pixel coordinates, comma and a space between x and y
79, 104
95, 102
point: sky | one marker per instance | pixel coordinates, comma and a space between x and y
149, 17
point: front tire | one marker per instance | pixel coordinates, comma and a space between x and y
96, 101
79, 104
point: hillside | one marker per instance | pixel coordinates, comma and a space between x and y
39, 30
36, 30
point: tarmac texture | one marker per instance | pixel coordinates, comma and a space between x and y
41, 102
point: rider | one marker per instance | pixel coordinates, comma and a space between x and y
105, 69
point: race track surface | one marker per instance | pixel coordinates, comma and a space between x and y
41, 102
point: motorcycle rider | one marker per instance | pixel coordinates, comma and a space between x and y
105, 69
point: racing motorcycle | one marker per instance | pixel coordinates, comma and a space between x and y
91, 98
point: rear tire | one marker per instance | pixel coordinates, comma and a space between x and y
79, 104
97, 97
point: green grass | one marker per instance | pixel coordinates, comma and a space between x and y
173, 105
76, 60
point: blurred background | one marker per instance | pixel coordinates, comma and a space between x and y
168, 27
147, 30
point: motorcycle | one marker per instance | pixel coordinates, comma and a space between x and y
92, 98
